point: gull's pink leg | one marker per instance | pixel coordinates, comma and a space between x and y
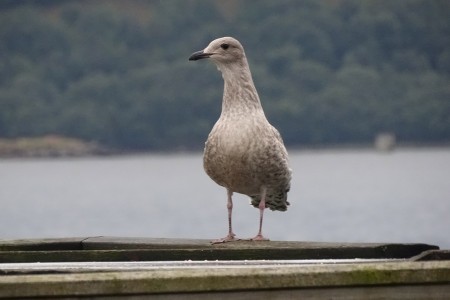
231, 236
261, 206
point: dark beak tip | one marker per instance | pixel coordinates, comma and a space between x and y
193, 57
198, 55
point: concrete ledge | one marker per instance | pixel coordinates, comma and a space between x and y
133, 268
434, 275
42, 244
433, 255
145, 249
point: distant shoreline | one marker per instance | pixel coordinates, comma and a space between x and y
50, 146
53, 146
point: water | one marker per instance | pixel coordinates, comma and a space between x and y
336, 196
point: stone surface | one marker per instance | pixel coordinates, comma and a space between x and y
147, 249
42, 244
220, 280
133, 268
433, 255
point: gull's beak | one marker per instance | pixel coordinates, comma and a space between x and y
199, 55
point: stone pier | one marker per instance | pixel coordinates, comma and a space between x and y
134, 268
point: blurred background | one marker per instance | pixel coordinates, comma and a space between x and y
360, 91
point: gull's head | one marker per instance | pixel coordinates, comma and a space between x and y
222, 51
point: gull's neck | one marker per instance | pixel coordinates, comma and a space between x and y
240, 97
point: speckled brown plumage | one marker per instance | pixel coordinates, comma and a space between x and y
244, 153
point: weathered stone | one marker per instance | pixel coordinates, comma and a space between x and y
42, 244
174, 268
433, 255
219, 280
143, 249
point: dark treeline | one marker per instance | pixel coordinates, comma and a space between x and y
328, 72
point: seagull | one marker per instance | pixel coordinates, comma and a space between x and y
244, 153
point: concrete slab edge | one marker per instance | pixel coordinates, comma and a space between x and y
222, 279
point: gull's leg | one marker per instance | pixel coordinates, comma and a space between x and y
231, 236
261, 206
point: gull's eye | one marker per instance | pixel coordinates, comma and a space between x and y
224, 46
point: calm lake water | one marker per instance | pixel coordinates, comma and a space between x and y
336, 196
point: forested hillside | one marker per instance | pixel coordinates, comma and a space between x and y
328, 72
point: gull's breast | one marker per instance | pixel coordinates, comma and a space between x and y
242, 155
